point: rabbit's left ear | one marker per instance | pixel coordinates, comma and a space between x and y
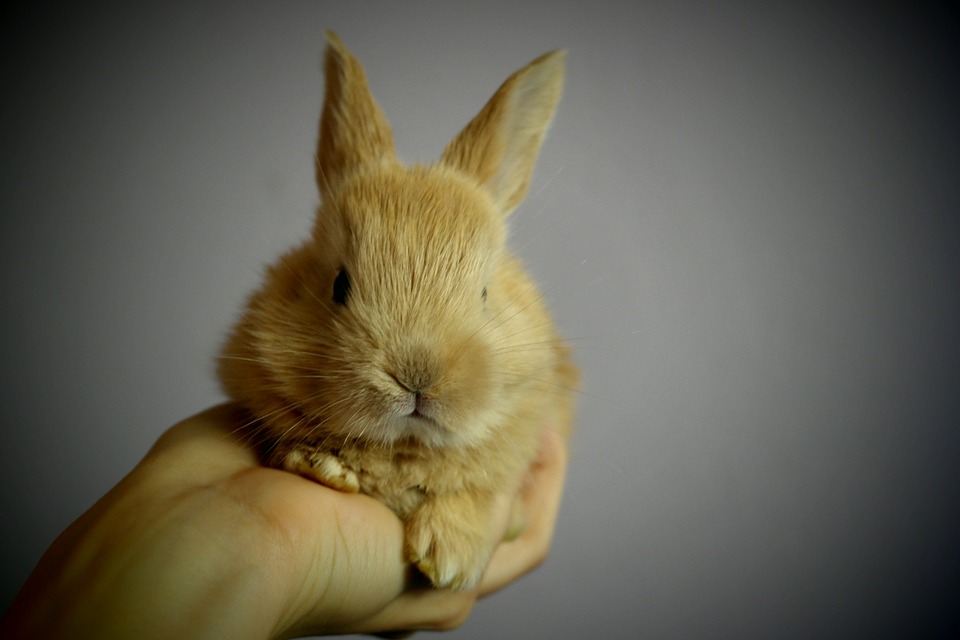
500, 145
353, 130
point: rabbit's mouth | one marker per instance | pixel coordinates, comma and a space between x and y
418, 427
416, 401
423, 406
421, 414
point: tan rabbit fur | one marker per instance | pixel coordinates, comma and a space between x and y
401, 351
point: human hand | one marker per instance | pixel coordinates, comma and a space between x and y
201, 541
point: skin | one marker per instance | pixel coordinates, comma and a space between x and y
201, 541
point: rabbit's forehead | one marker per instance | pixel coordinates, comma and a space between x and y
420, 216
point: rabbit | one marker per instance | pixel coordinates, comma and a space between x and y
401, 351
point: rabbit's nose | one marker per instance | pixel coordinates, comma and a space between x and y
415, 382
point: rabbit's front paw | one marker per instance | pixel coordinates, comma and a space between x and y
449, 547
321, 466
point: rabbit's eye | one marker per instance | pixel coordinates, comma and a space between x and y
341, 287
483, 294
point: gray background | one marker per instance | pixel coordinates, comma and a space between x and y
745, 217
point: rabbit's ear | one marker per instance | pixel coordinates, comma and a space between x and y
353, 130
500, 145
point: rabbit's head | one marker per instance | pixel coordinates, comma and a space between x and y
399, 318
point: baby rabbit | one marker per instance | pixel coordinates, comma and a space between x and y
401, 351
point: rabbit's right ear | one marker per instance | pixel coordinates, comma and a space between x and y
353, 130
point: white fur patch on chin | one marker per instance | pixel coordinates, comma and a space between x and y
424, 430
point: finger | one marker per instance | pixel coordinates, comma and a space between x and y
367, 586
541, 497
